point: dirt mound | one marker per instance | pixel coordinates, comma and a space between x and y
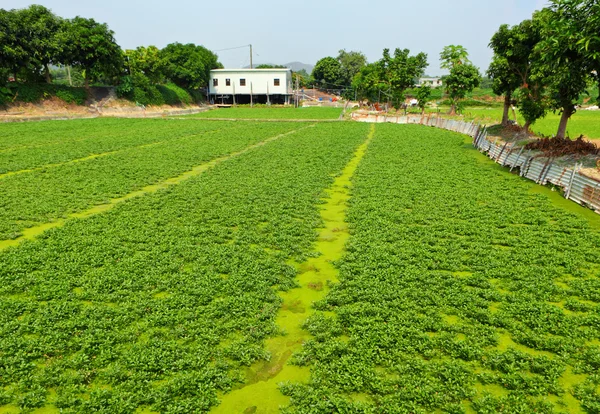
558, 147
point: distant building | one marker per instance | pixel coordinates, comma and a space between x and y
227, 86
433, 82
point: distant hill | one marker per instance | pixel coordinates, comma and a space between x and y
298, 66
295, 66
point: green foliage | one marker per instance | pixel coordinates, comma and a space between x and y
91, 46
35, 92
327, 73
156, 305
283, 113
270, 66
423, 95
174, 95
188, 66
580, 20
566, 65
390, 76
13, 53
351, 64
463, 78
38, 34
439, 308
146, 62
453, 55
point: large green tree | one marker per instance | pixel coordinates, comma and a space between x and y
327, 73
13, 56
504, 68
39, 38
563, 57
189, 65
390, 76
453, 55
92, 47
350, 64
463, 77
145, 62
514, 66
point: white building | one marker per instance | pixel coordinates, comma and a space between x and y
433, 82
260, 85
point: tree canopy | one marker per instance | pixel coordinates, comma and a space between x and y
463, 77
189, 65
91, 46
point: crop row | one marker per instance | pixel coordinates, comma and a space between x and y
161, 302
460, 290
48, 194
88, 138
272, 113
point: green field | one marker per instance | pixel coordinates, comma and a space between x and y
262, 112
583, 122
189, 265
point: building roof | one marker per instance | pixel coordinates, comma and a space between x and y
252, 70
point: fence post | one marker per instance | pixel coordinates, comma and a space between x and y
518, 157
570, 185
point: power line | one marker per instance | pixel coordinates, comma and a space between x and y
231, 48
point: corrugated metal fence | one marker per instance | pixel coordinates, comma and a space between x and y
577, 187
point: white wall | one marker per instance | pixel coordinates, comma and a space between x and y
260, 79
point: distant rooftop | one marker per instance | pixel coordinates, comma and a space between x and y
253, 70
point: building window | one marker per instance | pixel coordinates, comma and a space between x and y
276, 82
242, 82
227, 82
215, 82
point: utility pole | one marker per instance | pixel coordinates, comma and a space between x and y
251, 67
69, 75
297, 91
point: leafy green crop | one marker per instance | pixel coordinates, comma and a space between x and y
459, 289
52, 193
262, 112
162, 302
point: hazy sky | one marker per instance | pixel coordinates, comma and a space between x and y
305, 31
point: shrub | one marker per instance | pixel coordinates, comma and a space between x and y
174, 95
35, 92
71, 95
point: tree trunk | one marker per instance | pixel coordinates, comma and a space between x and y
564, 120
507, 98
47, 74
453, 109
526, 127
87, 83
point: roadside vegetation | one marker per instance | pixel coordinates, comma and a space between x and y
44, 55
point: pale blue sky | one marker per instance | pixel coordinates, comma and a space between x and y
285, 31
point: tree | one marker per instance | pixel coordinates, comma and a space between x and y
189, 65
145, 61
270, 66
506, 65
461, 80
39, 37
390, 76
12, 54
303, 78
327, 72
454, 55
463, 77
423, 95
91, 46
567, 65
367, 83
350, 65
